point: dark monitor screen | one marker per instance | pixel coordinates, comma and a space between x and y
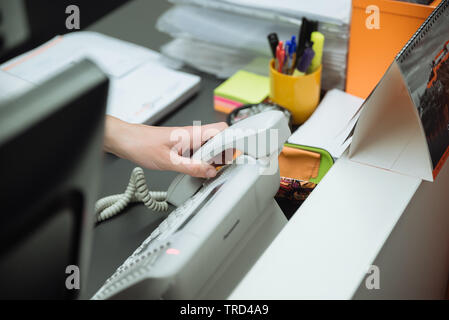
25, 273
26, 24
50, 157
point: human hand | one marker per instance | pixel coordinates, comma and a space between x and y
161, 148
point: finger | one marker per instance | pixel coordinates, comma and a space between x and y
211, 130
200, 134
191, 167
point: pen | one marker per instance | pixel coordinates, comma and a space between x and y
305, 60
301, 40
293, 55
307, 27
280, 54
281, 59
287, 60
273, 42
276, 59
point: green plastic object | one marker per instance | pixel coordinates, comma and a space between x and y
326, 161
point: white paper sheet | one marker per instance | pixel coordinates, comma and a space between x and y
330, 124
336, 11
142, 88
146, 91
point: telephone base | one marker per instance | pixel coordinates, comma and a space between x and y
245, 254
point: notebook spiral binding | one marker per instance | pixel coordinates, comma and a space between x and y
422, 31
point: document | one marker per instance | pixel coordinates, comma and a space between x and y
147, 91
142, 88
335, 11
330, 124
197, 24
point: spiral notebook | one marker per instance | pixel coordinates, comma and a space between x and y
404, 123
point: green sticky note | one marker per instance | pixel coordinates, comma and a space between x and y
244, 87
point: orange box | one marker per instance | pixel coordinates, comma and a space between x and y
372, 50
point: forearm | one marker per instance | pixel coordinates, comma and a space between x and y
158, 148
115, 131
136, 142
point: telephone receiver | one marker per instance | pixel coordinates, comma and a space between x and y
258, 136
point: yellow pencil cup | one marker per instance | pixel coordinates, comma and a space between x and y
299, 94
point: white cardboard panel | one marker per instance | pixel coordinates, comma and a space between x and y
414, 261
328, 246
389, 133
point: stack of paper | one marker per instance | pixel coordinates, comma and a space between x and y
242, 26
141, 90
204, 56
330, 124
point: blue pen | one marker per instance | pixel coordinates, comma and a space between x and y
293, 42
288, 60
293, 55
292, 50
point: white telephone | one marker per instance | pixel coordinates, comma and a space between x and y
255, 130
213, 215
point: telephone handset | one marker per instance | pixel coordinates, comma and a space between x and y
250, 136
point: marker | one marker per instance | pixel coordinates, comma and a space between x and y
287, 60
273, 42
313, 26
281, 59
276, 59
301, 40
293, 58
307, 27
280, 56
305, 60
318, 43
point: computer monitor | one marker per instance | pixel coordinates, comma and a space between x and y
51, 141
26, 24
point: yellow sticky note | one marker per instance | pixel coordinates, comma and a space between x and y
244, 87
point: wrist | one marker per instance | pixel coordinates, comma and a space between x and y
115, 130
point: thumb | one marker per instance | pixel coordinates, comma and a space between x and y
191, 167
